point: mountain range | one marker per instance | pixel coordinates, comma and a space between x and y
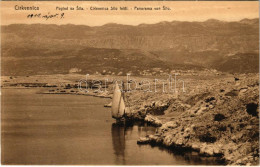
30, 49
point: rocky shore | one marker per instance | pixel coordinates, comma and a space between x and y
215, 116
222, 121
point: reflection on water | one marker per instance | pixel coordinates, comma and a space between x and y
118, 139
123, 133
74, 130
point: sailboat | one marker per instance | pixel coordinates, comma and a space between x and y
119, 108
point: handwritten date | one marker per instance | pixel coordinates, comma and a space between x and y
46, 16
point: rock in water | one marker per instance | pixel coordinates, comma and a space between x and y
143, 140
108, 105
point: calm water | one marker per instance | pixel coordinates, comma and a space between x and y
70, 129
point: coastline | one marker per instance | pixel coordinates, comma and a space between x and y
206, 120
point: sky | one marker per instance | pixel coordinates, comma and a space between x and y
180, 11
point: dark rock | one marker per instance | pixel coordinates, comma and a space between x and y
222, 128
242, 125
207, 138
143, 140
219, 117
251, 109
222, 90
209, 99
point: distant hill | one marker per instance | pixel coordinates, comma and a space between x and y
47, 49
88, 60
239, 63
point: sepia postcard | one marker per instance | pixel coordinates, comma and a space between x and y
130, 83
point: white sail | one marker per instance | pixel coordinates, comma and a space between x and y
118, 104
121, 110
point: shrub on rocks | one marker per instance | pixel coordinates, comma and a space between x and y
209, 99
219, 117
207, 138
251, 109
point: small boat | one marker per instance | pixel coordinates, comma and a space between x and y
119, 108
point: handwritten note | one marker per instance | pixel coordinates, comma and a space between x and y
46, 16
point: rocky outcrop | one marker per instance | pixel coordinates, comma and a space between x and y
219, 123
153, 120
147, 109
